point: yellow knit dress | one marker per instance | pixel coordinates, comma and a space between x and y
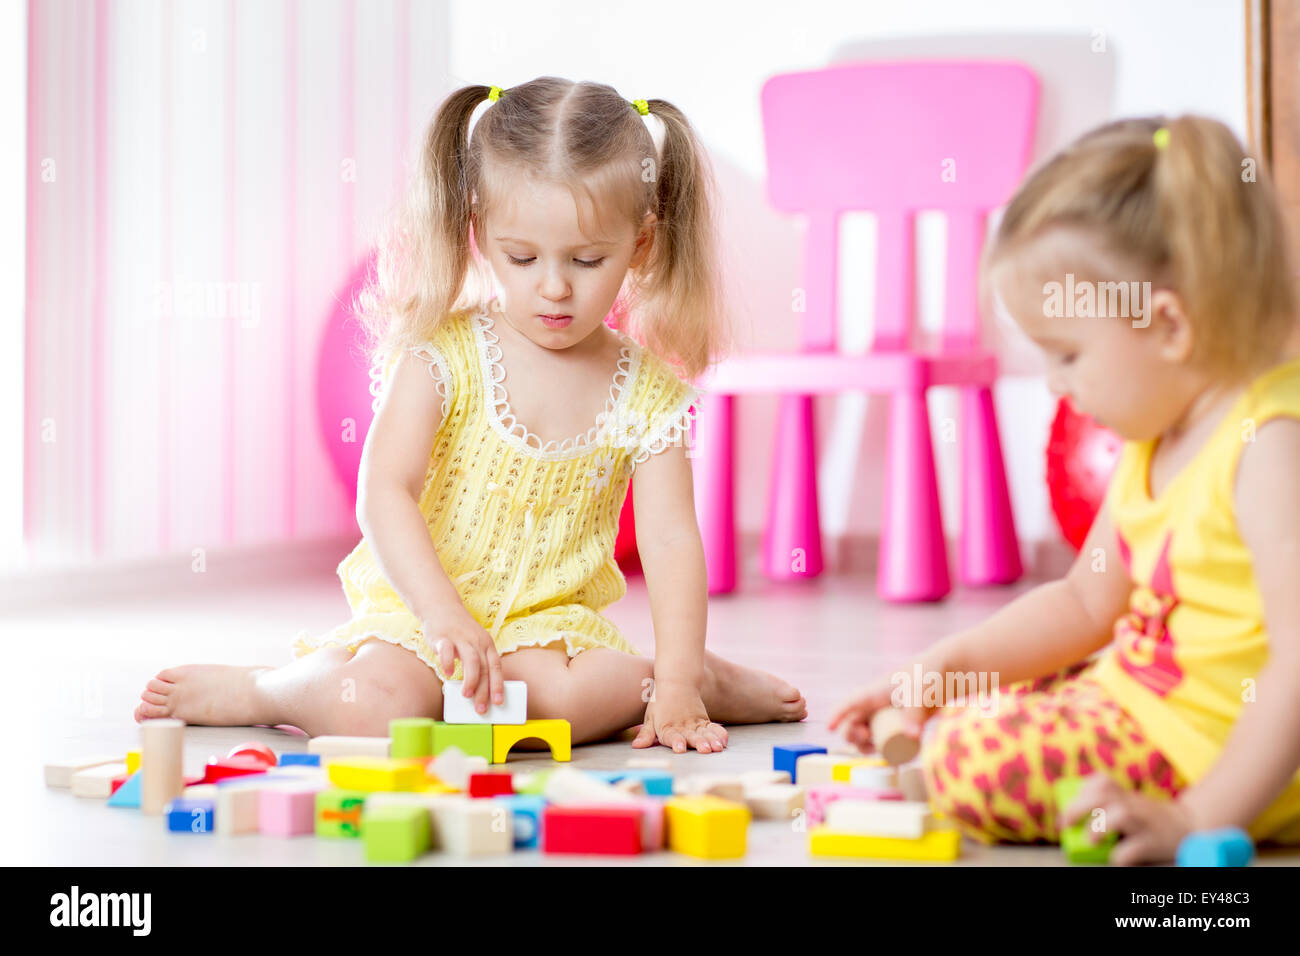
524, 530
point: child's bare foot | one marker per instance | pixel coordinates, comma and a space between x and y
212, 695
743, 695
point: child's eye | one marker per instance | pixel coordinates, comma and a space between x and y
582, 262
1068, 358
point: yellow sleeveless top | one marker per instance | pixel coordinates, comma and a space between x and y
1183, 659
524, 529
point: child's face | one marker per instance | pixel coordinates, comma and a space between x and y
1129, 372
545, 265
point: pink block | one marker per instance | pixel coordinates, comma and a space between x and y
817, 798
287, 811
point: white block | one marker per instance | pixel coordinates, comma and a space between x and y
333, 746
453, 767
775, 801
96, 781
763, 778
59, 774
569, 785
873, 778
886, 818
459, 709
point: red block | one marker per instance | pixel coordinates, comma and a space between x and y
232, 767
613, 830
118, 781
490, 784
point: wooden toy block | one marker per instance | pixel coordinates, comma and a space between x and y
904, 819
842, 769
468, 827
395, 834
452, 768
787, 758
911, 781
657, 783
411, 737
469, 739
459, 709
725, 786
527, 812
591, 829
872, 777
132, 761
287, 810
569, 785
118, 781
199, 791
96, 781
489, 784
185, 815
942, 844
59, 774
336, 746
707, 827
814, 768
216, 770
254, 750
161, 744
339, 812
1227, 846
237, 808
299, 760
892, 738
127, 795
555, 732
1076, 842
649, 763
376, 773
774, 801
817, 798
763, 778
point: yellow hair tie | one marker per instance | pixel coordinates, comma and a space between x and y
494, 94
1160, 137
642, 107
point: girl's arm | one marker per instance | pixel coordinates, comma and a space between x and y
672, 557
1263, 750
1054, 625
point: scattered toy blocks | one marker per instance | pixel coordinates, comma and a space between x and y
287, 809
189, 816
818, 798
556, 732
886, 818
237, 806
376, 773
489, 784
238, 766
787, 758
59, 774
395, 833
775, 801
592, 829
127, 795
96, 781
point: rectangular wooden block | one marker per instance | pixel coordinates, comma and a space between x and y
724, 786
59, 774
707, 827
787, 758
96, 781
591, 829
335, 746
339, 812
288, 810
814, 768
395, 834
888, 818
941, 845
470, 739
236, 810
775, 801
459, 709
189, 815
376, 773
818, 798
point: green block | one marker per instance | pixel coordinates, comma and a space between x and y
395, 833
534, 784
1075, 842
338, 812
470, 738
411, 737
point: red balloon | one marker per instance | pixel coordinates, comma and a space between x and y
1081, 457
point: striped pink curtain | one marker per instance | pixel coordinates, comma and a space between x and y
202, 177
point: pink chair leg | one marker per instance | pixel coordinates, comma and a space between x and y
913, 555
711, 462
990, 551
792, 541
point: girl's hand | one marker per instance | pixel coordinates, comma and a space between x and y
1151, 829
456, 635
675, 717
856, 712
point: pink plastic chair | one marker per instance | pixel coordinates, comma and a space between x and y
892, 138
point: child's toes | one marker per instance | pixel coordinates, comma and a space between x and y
149, 697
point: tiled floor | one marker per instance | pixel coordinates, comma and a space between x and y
75, 673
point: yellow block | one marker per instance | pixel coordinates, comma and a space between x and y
943, 844
437, 786
707, 827
840, 772
373, 774
556, 732
132, 761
